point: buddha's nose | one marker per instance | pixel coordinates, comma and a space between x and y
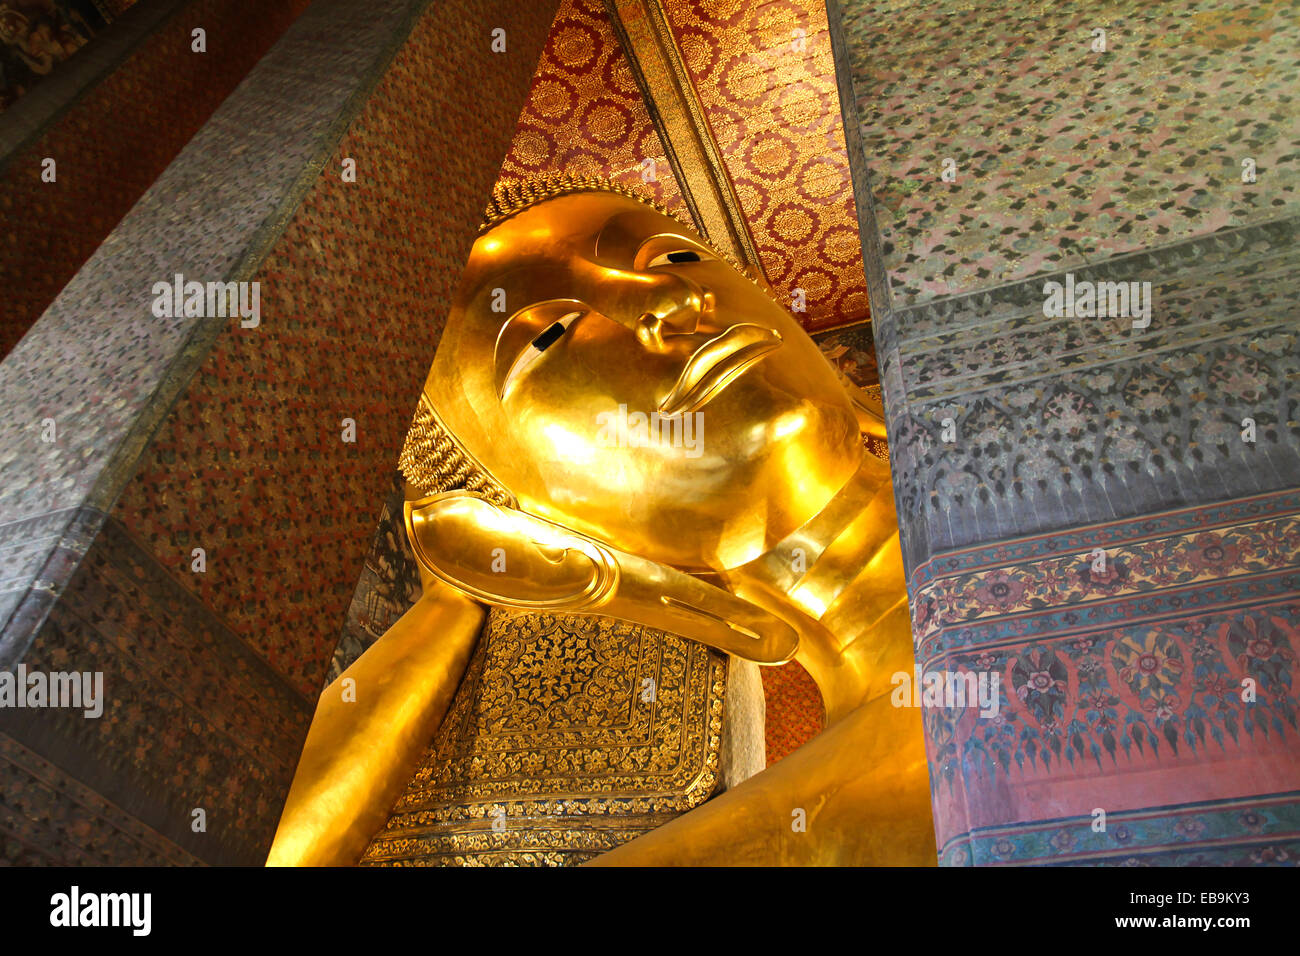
680, 313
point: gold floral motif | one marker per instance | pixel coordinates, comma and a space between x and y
569, 736
771, 101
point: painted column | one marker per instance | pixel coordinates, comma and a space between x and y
1084, 287
185, 499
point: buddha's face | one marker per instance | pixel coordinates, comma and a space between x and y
621, 379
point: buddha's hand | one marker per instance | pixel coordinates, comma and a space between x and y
506, 557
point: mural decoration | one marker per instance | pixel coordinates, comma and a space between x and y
37, 35
1044, 180
1098, 508
585, 116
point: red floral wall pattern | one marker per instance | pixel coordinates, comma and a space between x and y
766, 78
585, 115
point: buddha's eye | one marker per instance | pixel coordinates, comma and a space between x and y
681, 255
536, 348
669, 249
549, 337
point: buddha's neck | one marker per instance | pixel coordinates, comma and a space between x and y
839, 578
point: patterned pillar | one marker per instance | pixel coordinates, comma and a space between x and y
1099, 501
182, 432
111, 117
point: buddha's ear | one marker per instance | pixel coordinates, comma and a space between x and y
506, 557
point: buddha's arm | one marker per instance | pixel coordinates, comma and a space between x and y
864, 789
863, 783
360, 753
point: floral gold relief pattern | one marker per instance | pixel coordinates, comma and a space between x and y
568, 736
584, 116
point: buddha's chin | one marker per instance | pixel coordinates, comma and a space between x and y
794, 434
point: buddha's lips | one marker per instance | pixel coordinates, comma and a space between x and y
716, 364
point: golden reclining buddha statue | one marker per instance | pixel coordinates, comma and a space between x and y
630, 472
